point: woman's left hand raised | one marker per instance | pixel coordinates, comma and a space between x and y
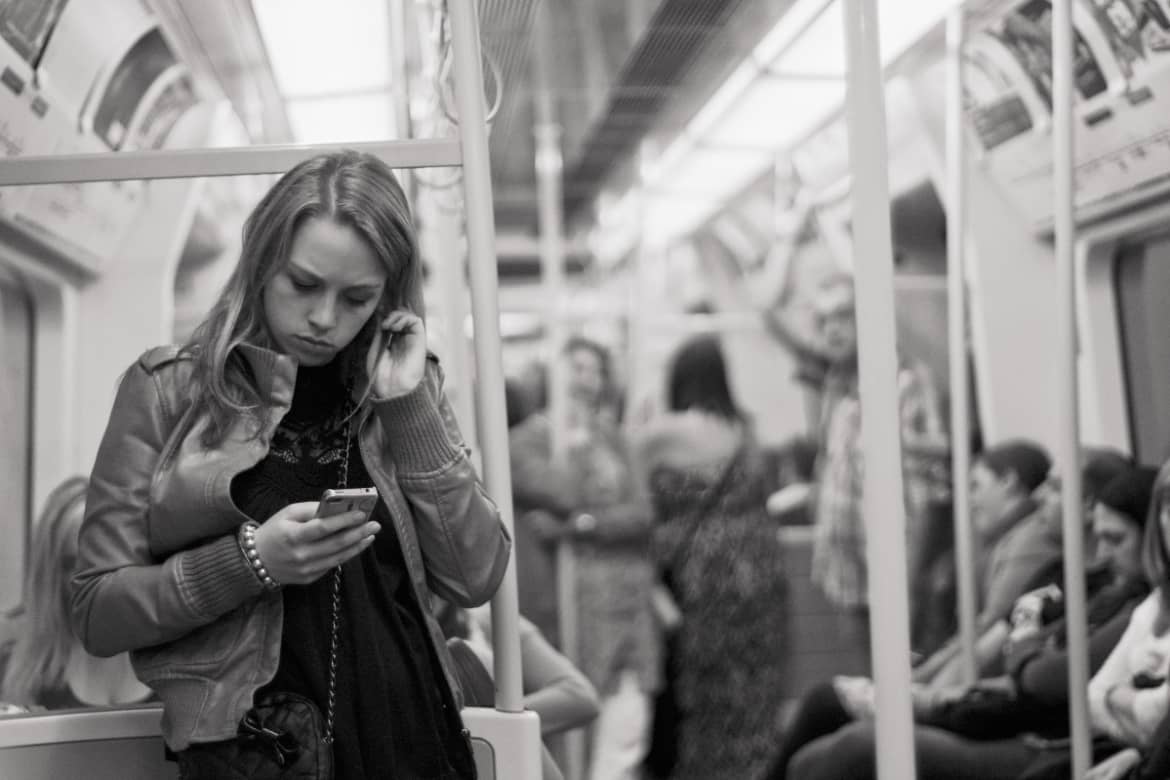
398, 368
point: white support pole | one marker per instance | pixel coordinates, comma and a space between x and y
399, 68
400, 82
1069, 442
884, 507
228, 161
549, 170
485, 308
443, 245
957, 322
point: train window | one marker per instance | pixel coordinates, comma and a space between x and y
1142, 283
16, 350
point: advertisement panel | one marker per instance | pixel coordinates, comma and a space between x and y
1122, 94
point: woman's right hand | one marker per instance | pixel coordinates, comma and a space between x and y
297, 547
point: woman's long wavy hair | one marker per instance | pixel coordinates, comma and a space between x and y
355, 189
44, 639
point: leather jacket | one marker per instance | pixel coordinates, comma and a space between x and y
160, 572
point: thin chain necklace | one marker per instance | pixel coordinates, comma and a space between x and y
335, 622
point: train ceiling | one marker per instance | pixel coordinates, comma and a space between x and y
623, 71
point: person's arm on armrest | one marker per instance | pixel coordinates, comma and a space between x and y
557, 690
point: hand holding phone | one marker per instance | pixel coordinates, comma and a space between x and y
341, 501
303, 541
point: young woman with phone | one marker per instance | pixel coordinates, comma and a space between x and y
275, 637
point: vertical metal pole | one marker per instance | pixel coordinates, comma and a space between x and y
485, 308
884, 505
549, 170
1069, 443
444, 248
399, 70
444, 230
957, 322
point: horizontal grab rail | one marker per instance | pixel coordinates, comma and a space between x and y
107, 723
224, 161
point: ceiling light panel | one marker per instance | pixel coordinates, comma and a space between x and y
711, 173
820, 51
347, 119
776, 112
325, 48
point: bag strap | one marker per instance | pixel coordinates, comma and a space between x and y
709, 502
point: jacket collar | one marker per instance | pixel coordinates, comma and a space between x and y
276, 376
275, 373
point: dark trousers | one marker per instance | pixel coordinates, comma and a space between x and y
818, 714
850, 753
663, 751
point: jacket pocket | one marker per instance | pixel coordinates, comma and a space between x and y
201, 650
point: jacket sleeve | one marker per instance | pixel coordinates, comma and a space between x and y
1009, 583
538, 483
630, 520
464, 543
1043, 676
123, 598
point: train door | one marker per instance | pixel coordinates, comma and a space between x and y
16, 414
1142, 285
1123, 278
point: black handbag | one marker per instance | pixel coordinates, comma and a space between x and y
281, 738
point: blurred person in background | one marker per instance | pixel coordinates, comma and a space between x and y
596, 499
720, 555
827, 356
42, 662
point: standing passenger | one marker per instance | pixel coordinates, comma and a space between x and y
598, 500
830, 354
721, 555
202, 551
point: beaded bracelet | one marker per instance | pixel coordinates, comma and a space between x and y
248, 548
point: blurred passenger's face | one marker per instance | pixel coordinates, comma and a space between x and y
836, 322
991, 498
586, 377
326, 292
1118, 541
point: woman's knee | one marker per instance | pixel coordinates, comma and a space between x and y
819, 703
847, 754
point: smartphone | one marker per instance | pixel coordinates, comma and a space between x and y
339, 501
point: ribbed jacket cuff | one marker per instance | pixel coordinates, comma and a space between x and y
415, 432
216, 578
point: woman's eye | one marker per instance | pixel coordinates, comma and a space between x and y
301, 284
357, 301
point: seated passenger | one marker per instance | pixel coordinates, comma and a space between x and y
998, 730
1010, 527
553, 687
42, 664
1099, 467
1129, 696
